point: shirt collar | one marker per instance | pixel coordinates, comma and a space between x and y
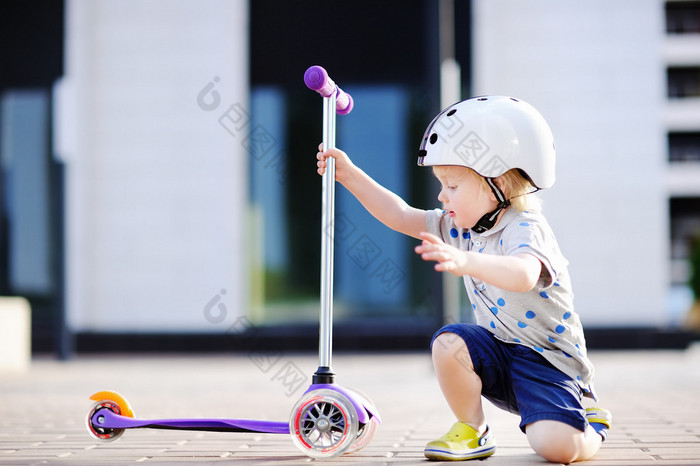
506, 218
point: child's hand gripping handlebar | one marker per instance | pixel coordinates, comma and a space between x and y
317, 79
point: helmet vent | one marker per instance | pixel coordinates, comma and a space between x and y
514, 100
452, 112
481, 99
433, 138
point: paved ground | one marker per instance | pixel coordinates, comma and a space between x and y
654, 396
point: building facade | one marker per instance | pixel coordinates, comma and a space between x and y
189, 202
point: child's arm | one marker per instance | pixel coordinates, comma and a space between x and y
518, 273
383, 204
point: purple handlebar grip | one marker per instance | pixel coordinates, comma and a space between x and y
317, 79
344, 103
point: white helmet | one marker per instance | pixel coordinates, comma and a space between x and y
491, 135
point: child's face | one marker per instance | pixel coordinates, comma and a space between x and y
463, 195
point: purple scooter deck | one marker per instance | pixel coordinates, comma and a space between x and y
105, 418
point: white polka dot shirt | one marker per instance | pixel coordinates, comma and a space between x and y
543, 318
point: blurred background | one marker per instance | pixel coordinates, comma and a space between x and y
158, 187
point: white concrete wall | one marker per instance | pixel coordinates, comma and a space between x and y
594, 70
15, 335
156, 173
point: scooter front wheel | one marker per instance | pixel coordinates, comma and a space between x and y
366, 431
323, 423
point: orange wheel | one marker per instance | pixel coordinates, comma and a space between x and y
110, 395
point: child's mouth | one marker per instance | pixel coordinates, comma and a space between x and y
451, 213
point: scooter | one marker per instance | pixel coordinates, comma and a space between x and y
328, 420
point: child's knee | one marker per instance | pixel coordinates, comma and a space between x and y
446, 344
450, 348
554, 441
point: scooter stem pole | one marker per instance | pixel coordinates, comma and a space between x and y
327, 236
334, 101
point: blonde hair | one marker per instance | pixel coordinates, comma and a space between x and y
516, 186
520, 190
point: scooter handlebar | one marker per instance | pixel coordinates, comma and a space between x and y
317, 79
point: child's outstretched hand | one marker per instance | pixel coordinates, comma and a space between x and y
448, 258
343, 164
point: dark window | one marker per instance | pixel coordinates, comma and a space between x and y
350, 39
392, 73
684, 146
683, 82
31, 33
685, 235
31, 247
683, 17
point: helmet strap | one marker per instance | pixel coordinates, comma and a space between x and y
487, 222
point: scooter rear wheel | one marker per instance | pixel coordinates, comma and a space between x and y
323, 423
105, 434
114, 402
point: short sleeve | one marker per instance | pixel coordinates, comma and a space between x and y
532, 235
432, 221
441, 225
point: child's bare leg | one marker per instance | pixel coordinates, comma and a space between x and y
460, 385
561, 443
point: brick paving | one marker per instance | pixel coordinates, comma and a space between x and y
654, 397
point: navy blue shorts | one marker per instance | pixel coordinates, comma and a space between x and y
519, 380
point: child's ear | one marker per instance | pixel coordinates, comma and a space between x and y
501, 183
